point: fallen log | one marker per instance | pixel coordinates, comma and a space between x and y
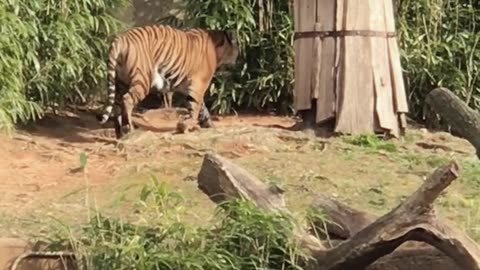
463, 120
339, 221
222, 181
18, 254
413, 220
343, 221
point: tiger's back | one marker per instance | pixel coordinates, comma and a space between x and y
143, 51
166, 59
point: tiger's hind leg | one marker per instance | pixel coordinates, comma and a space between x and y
118, 117
136, 94
119, 120
118, 123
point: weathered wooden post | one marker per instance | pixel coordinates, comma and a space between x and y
347, 65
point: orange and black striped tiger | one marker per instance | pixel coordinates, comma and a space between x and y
165, 59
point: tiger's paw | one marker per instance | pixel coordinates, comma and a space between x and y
207, 124
181, 127
187, 126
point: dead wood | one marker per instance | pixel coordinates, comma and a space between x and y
464, 120
413, 220
342, 222
222, 180
19, 254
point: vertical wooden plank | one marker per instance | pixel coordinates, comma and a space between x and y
357, 104
296, 16
400, 96
384, 107
325, 78
317, 62
339, 56
304, 21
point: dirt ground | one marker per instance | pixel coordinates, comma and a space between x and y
42, 160
42, 180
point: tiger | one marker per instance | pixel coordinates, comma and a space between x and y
165, 59
168, 99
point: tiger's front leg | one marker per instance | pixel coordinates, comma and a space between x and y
204, 120
196, 92
204, 117
189, 122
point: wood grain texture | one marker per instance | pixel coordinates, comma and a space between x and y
355, 79
384, 108
356, 107
325, 78
304, 20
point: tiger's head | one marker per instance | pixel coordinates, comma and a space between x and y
226, 47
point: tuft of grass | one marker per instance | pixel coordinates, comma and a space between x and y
371, 142
471, 224
240, 237
471, 174
319, 222
422, 161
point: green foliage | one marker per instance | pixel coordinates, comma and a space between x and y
440, 43
471, 175
243, 237
50, 51
263, 76
14, 106
371, 142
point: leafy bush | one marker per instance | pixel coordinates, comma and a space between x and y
51, 51
14, 106
440, 43
243, 237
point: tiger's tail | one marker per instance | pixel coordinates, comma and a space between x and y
114, 52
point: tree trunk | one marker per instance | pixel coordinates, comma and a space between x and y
464, 120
